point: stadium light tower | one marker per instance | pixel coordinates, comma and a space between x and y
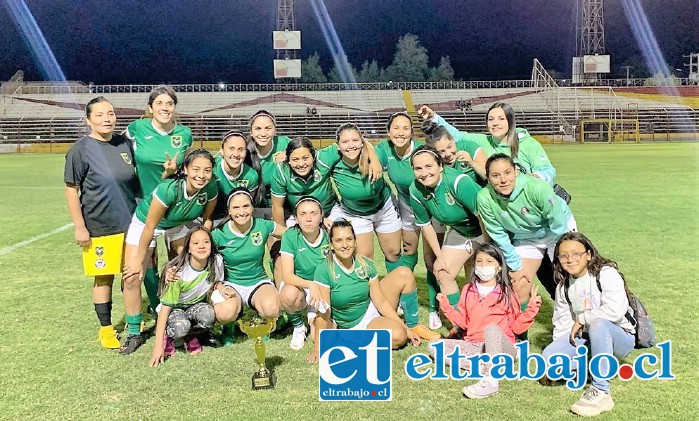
590, 59
287, 67
285, 22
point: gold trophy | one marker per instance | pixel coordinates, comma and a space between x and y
257, 328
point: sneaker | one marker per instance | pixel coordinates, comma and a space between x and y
169, 347
481, 390
423, 332
592, 403
192, 345
107, 337
433, 320
132, 343
298, 338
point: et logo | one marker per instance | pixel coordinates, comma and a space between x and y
355, 365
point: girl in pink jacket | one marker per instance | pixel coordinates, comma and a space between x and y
489, 312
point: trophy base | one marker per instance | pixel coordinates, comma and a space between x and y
264, 380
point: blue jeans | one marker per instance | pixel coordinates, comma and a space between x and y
604, 337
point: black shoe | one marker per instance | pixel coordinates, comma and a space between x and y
132, 343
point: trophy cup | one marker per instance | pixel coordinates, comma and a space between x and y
257, 328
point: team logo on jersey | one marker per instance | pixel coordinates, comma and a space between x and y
524, 211
176, 141
201, 199
316, 176
450, 199
99, 251
256, 238
243, 183
361, 273
125, 157
325, 250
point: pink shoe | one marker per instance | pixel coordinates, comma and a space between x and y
192, 345
169, 347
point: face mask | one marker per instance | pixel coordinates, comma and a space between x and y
486, 273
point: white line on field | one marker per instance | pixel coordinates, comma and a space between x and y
34, 239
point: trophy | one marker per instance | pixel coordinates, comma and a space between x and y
257, 328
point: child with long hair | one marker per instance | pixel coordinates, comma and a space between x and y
591, 308
183, 311
489, 312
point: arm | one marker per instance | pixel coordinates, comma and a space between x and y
553, 209
278, 209
496, 231
158, 356
562, 315
375, 170
208, 213
290, 278
379, 300
82, 235
478, 162
524, 319
278, 192
539, 161
322, 321
457, 316
279, 230
422, 220
453, 131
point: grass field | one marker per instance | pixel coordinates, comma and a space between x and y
638, 203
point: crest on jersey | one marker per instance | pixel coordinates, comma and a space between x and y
201, 199
361, 273
243, 183
325, 250
316, 176
256, 238
176, 141
125, 157
450, 199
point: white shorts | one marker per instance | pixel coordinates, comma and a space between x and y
535, 249
407, 216
386, 220
371, 314
246, 293
290, 221
264, 213
454, 240
136, 227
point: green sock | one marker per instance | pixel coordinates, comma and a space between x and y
296, 319
454, 299
390, 266
432, 290
150, 281
409, 303
524, 335
408, 260
133, 324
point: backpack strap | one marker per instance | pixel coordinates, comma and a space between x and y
628, 315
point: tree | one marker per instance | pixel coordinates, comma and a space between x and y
410, 63
350, 73
370, 72
442, 73
660, 79
311, 71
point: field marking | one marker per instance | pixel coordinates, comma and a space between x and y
34, 239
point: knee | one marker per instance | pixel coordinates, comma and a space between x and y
205, 316
132, 283
399, 338
409, 246
227, 311
598, 328
392, 253
404, 273
269, 307
290, 297
178, 327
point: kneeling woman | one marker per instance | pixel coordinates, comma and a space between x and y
241, 242
357, 299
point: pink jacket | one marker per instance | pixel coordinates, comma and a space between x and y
475, 313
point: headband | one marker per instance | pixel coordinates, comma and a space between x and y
308, 199
232, 133
237, 192
425, 151
263, 113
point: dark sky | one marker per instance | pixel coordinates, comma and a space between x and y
195, 41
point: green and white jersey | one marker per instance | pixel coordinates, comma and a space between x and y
181, 208
531, 156
400, 172
247, 178
269, 165
150, 146
243, 254
192, 286
286, 184
472, 148
307, 256
532, 212
452, 202
358, 195
349, 289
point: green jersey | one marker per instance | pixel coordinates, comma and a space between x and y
192, 286
349, 289
307, 256
150, 146
358, 195
268, 165
531, 157
243, 254
400, 172
286, 184
452, 202
532, 212
247, 177
181, 208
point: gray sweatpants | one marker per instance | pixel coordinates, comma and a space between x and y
194, 319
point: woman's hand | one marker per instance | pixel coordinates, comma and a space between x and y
227, 291
171, 275
170, 165
463, 156
279, 157
133, 268
440, 265
82, 237
158, 356
314, 295
518, 276
327, 223
575, 332
426, 112
534, 296
413, 338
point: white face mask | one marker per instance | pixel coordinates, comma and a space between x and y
486, 273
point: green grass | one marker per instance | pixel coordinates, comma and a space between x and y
638, 203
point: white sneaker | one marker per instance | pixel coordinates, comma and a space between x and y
433, 320
298, 338
592, 403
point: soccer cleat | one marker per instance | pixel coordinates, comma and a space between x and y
298, 338
132, 343
192, 345
592, 403
169, 346
107, 337
423, 332
433, 320
481, 390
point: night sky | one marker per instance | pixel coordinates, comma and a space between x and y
194, 41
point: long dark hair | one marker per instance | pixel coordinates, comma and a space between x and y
191, 156
594, 266
183, 259
502, 279
93, 101
396, 115
297, 143
434, 132
511, 137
